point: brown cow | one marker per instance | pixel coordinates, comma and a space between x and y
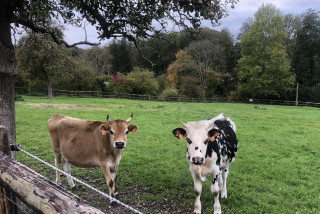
88, 143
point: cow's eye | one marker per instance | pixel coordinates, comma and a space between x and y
189, 141
111, 132
127, 132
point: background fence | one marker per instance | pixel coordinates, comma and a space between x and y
172, 99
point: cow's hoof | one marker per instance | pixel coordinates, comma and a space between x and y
74, 187
114, 204
117, 196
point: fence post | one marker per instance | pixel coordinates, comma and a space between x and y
5, 205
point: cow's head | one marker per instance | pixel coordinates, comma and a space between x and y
118, 131
197, 135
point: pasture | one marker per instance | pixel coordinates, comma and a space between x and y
277, 168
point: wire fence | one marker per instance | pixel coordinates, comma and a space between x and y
136, 96
177, 98
18, 148
21, 208
282, 102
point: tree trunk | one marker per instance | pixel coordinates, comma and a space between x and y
50, 91
8, 74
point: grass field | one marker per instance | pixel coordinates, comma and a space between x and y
277, 168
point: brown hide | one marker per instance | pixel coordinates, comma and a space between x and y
86, 143
79, 141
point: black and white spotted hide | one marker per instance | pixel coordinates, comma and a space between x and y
211, 147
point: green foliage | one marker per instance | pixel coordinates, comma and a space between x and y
183, 65
162, 79
79, 77
18, 97
190, 87
306, 56
276, 169
161, 52
121, 61
169, 92
39, 59
99, 58
263, 69
141, 81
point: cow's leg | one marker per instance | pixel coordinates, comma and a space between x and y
114, 178
57, 161
215, 192
225, 173
66, 168
197, 190
109, 179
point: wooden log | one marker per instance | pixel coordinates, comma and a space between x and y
5, 196
38, 192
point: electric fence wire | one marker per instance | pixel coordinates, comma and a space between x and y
18, 148
17, 205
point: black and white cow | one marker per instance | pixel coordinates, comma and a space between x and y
212, 146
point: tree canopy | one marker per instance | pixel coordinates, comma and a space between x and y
133, 20
264, 66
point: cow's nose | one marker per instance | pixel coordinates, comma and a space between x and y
119, 145
197, 160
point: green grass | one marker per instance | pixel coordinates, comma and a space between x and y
277, 168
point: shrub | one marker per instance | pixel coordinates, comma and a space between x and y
18, 98
170, 92
141, 81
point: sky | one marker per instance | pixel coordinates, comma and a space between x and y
237, 16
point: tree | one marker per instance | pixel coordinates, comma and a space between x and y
182, 66
159, 53
129, 19
141, 81
306, 56
40, 57
207, 56
263, 68
99, 58
121, 61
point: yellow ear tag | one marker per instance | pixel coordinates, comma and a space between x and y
133, 131
212, 138
103, 132
181, 136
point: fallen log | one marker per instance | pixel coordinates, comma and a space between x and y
38, 192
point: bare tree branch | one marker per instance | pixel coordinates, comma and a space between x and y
37, 29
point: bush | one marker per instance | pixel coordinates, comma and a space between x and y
170, 92
141, 81
18, 98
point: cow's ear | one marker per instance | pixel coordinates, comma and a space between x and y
104, 128
132, 128
213, 134
179, 133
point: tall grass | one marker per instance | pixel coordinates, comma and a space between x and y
277, 168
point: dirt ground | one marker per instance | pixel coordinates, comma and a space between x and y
129, 195
61, 106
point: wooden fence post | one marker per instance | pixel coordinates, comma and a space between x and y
6, 198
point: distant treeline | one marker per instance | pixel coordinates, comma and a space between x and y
272, 53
